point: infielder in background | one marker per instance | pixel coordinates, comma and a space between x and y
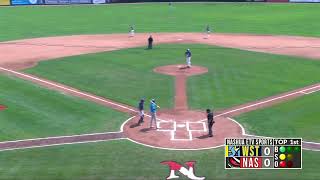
150, 41
210, 122
141, 111
153, 111
208, 31
188, 58
131, 31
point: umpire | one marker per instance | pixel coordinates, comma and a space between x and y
141, 111
150, 41
210, 122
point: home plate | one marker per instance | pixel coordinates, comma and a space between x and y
181, 125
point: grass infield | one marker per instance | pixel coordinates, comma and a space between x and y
235, 76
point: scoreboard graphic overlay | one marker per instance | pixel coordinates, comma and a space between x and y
263, 153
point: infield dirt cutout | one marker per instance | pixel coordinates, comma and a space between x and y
179, 128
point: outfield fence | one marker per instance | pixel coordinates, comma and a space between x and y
50, 2
70, 2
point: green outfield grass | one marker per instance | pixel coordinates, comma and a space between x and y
296, 118
261, 18
37, 112
123, 160
234, 77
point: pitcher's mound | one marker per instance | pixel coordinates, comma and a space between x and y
179, 69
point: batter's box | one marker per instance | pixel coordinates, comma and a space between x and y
166, 126
311, 90
197, 126
181, 135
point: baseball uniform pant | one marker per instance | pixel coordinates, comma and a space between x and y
188, 61
153, 118
210, 129
131, 33
141, 114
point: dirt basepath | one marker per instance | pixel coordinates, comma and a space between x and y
181, 73
25, 53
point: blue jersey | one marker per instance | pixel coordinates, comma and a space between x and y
188, 53
153, 107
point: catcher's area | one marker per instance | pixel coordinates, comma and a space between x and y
179, 128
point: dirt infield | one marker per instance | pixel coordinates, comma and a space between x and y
179, 128
180, 72
182, 130
30, 51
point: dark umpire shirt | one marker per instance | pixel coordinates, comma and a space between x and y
141, 106
150, 40
210, 118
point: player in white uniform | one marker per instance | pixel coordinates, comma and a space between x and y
188, 58
208, 31
131, 31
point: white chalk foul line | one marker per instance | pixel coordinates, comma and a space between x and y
266, 101
310, 92
67, 89
59, 137
250, 135
173, 149
60, 144
72, 90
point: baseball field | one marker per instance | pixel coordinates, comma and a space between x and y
71, 79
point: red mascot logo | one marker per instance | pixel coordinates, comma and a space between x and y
188, 172
2, 107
